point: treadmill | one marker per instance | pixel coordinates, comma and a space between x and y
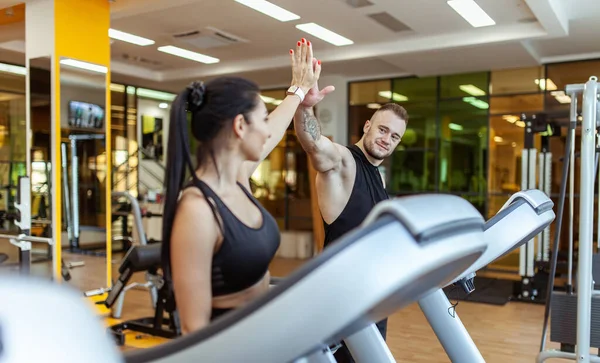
521, 218
420, 243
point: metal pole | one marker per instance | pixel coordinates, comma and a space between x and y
21, 237
548, 191
75, 194
451, 333
559, 218
541, 186
596, 172
367, 345
531, 244
586, 215
65, 180
524, 170
571, 192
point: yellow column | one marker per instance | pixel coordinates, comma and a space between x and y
75, 30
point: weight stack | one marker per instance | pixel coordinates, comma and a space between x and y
563, 319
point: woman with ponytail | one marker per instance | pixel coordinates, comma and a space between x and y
218, 241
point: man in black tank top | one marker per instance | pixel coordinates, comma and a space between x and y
348, 181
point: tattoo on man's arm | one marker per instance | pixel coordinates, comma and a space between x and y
311, 125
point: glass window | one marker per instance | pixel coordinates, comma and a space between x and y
519, 80
364, 93
464, 146
515, 104
281, 181
558, 104
273, 98
506, 144
12, 80
561, 74
418, 96
464, 85
410, 171
414, 90
357, 115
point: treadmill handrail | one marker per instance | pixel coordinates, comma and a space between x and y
538, 200
454, 212
534, 199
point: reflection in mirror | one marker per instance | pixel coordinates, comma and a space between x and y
15, 160
83, 169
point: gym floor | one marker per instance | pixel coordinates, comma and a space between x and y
509, 333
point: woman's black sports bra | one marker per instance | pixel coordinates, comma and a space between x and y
245, 254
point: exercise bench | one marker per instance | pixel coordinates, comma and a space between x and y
145, 258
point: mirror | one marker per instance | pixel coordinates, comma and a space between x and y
13, 156
40, 107
83, 172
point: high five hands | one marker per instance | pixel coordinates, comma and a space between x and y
303, 73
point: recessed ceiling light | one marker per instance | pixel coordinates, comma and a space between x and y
476, 102
394, 96
187, 54
269, 9
9, 68
324, 34
129, 38
163, 105
472, 90
471, 12
546, 84
156, 95
455, 127
84, 65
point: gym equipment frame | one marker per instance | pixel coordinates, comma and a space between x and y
23, 240
570, 329
72, 206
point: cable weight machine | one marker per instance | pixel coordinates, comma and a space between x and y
71, 197
536, 173
574, 314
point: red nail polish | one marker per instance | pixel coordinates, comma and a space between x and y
308, 43
303, 40
299, 43
291, 51
319, 62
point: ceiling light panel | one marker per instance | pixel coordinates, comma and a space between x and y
129, 38
270, 9
471, 12
84, 65
187, 54
324, 34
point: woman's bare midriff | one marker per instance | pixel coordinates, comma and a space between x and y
241, 298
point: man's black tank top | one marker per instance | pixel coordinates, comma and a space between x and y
367, 191
245, 254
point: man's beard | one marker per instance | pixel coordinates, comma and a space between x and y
369, 148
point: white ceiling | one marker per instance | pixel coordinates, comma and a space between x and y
439, 41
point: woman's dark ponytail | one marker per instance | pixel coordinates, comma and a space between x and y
212, 107
178, 157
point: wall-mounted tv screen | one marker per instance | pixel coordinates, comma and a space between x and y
86, 115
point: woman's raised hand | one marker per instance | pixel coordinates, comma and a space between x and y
305, 69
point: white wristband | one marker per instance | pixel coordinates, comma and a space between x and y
295, 90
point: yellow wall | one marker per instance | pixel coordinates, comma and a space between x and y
81, 33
